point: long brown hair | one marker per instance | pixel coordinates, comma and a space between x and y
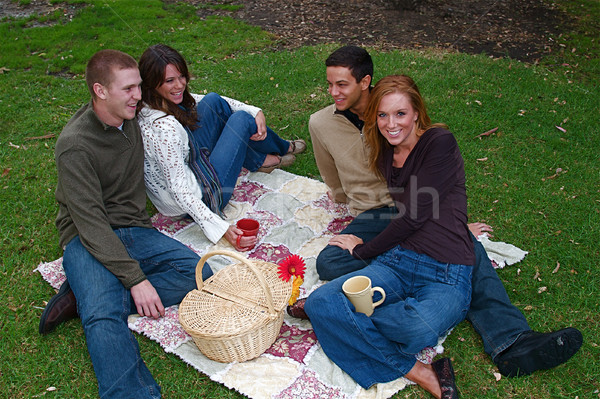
153, 64
402, 84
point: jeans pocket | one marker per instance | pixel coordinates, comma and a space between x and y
392, 258
447, 273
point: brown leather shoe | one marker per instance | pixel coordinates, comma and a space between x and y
60, 308
297, 146
284, 161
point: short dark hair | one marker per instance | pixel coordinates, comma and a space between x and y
355, 58
100, 67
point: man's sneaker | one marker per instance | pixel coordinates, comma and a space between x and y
534, 351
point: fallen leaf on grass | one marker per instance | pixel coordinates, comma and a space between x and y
482, 159
3, 69
561, 129
498, 376
5, 172
47, 136
494, 130
559, 171
542, 289
556, 268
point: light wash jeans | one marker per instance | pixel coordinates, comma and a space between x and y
226, 135
491, 313
104, 304
424, 299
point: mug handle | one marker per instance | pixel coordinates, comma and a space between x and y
382, 292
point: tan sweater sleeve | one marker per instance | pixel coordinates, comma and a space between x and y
326, 163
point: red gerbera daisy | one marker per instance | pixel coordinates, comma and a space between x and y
293, 265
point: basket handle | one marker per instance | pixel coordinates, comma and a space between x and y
257, 273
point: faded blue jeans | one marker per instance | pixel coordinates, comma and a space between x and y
104, 304
424, 300
226, 135
492, 314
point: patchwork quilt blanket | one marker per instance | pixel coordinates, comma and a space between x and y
296, 217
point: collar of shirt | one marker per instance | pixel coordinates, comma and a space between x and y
352, 117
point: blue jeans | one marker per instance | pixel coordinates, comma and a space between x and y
226, 135
104, 304
333, 261
491, 313
424, 299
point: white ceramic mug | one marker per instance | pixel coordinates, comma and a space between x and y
358, 290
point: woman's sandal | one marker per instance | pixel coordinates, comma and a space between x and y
297, 146
284, 161
445, 374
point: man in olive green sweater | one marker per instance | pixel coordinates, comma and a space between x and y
116, 263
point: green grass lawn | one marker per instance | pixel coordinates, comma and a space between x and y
536, 179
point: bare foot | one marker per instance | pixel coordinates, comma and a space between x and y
425, 377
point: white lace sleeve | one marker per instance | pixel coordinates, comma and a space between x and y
234, 104
170, 183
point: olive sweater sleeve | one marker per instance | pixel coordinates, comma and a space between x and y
100, 187
82, 195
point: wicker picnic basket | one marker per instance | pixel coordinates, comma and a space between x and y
236, 314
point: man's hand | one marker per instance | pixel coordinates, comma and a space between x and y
146, 300
261, 127
479, 228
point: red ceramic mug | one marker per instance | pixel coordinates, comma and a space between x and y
249, 228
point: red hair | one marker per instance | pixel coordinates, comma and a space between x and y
401, 84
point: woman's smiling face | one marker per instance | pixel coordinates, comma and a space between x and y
173, 86
396, 119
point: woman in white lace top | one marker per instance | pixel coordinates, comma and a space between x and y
196, 145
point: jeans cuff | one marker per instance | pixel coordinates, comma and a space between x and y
505, 345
